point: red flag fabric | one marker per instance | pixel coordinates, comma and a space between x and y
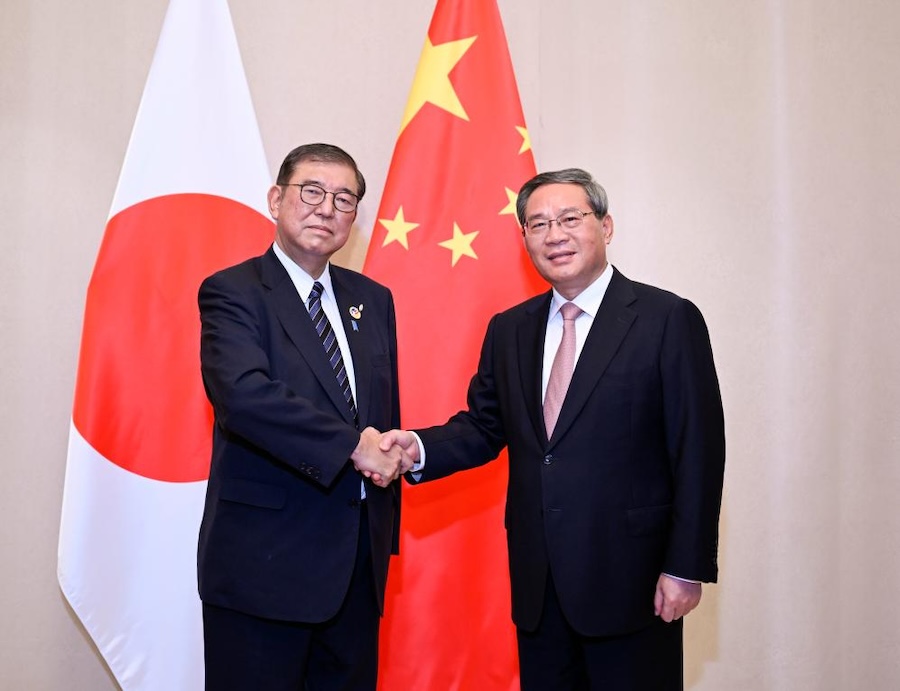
190, 200
447, 243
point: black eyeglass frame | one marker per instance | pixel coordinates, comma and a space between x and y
337, 201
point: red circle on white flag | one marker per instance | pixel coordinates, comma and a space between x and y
139, 398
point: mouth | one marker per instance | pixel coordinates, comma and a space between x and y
559, 255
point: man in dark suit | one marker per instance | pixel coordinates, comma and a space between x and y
615, 479
297, 356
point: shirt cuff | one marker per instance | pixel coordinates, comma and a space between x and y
679, 578
419, 465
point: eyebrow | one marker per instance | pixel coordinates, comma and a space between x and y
561, 212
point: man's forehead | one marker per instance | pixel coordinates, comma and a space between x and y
318, 171
332, 167
556, 195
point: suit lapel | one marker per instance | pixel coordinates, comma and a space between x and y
347, 298
531, 334
294, 318
613, 320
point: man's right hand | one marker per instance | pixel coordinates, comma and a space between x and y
406, 442
382, 466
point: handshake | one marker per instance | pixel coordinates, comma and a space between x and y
384, 457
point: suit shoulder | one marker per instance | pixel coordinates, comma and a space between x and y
526, 307
659, 296
516, 314
649, 292
236, 272
240, 275
358, 281
664, 303
352, 288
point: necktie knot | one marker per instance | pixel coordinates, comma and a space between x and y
316, 292
570, 311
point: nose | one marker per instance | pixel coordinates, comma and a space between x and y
326, 206
555, 233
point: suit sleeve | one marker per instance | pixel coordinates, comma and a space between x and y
253, 404
695, 439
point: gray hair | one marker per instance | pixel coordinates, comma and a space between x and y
325, 153
570, 176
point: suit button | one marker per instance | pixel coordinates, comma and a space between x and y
354, 503
548, 459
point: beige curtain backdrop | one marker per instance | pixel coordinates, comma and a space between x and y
751, 151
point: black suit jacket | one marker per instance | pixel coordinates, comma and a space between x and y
281, 520
630, 484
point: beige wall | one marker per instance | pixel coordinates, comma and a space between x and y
751, 151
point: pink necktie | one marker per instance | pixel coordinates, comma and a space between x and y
561, 371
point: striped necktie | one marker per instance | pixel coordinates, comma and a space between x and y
329, 341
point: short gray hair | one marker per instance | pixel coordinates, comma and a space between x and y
570, 176
324, 153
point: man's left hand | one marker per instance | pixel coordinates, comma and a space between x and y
675, 598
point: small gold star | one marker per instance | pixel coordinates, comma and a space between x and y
510, 207
397, 229
526, 139
460, 244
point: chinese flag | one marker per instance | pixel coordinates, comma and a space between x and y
190, 200
447, 243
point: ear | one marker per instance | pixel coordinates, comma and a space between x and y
608, 227
275, 196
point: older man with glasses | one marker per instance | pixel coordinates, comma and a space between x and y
301, 515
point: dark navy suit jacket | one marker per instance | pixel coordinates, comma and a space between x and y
282, 514
629, 486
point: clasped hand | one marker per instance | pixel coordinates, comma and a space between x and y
384, 457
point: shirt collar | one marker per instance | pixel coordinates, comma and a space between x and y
588, 299
302, 281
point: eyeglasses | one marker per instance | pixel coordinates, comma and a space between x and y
569, 219
315, 195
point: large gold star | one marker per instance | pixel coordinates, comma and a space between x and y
432, 81
397, 229
510, 207
460, 244
526, 139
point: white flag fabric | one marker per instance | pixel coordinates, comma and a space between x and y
190, 200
